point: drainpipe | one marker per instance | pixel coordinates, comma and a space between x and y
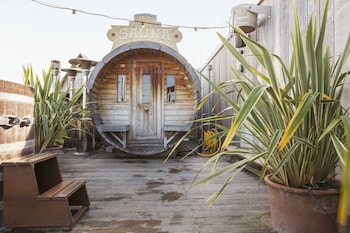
209, 68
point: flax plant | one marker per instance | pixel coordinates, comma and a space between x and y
288, 118
54, 112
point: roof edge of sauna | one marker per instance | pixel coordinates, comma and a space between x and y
143, 45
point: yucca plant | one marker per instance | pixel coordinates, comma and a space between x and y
54, 112
285, 116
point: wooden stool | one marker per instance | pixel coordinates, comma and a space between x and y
36, 196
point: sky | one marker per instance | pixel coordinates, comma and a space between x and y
33, 34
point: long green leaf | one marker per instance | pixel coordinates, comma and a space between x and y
298, 117
242, 115
345, 188
339, 147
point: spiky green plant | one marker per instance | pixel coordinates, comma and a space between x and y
54, 112
287, 118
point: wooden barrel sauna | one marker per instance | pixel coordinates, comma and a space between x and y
16, 116
144, 97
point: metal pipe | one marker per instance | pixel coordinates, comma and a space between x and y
209, 68
72, 73
85, 65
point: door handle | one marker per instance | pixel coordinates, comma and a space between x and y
144, 107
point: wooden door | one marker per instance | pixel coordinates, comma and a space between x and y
147, 101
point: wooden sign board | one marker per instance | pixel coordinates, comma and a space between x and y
144, 28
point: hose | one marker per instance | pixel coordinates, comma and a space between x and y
211, 143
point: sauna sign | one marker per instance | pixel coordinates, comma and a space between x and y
144, 28
144, 33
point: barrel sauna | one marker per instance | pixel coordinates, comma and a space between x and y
16, 117
144, 96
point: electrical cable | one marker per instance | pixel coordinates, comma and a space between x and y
74, 11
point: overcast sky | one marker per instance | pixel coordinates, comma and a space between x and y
31, 33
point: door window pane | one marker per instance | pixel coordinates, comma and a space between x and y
121, 87
146, 88
170, 87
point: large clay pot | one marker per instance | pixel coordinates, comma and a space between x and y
295, 210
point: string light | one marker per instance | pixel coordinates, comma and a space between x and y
74, 11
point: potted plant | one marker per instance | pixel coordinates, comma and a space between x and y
55, 112
286, 118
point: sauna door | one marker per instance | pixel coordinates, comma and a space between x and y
146, 104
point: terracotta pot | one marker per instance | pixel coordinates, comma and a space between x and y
295, 210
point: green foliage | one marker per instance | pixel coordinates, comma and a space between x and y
285, 117
344, 152
54, 112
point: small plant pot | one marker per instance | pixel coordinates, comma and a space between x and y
295, 210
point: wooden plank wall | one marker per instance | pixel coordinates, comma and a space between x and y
112, 112
274, 32
109, 110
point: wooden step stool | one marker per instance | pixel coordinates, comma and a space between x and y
36, 196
